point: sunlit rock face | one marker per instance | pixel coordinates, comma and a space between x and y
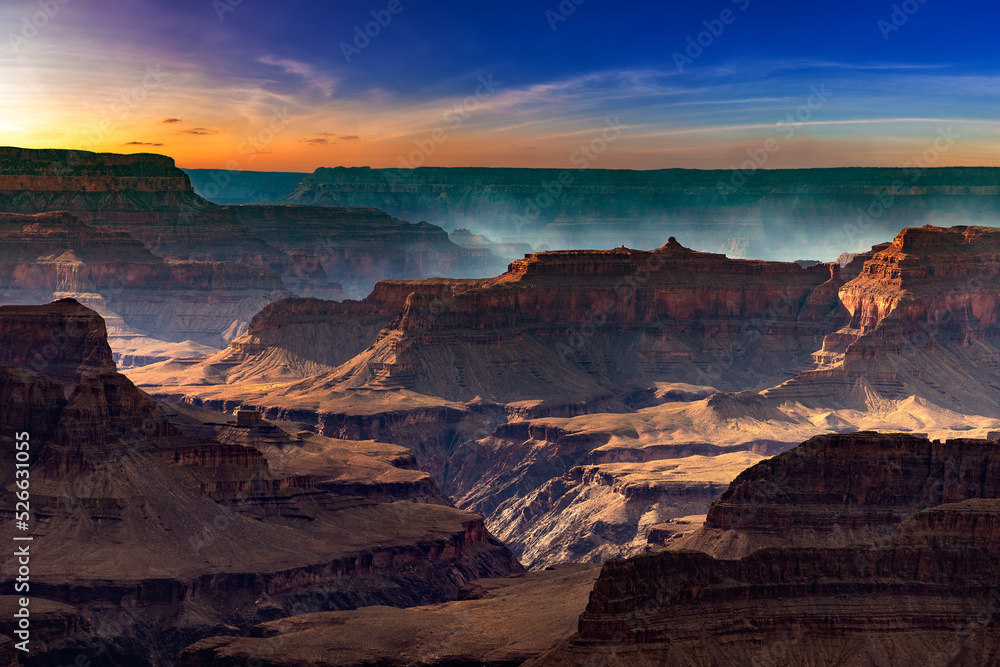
203, 534
923, 322
847, 550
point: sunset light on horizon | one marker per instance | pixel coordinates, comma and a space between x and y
224, 85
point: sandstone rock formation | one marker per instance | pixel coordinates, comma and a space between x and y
145, 298
923, 322
495, 622
118, 200
293, 339
567, 399
562, 331
609, 485
204, 537
147, 197
883, 551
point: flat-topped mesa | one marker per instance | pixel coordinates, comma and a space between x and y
62, 340
621, 289
929, 272
29, 170
310, 248
836, 490
642, 265
143, 195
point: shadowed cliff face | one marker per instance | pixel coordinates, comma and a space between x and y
49, 255
582, 327
203, 534
499, 385
147, 197
774, 214
921, 587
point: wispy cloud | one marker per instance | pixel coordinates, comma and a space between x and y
307, 72
198, 131
140, 143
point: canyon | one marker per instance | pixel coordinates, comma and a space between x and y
293, 476
175, 274
889, 558
780, 214
593, 403
205, 535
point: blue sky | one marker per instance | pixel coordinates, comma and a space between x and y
268, 86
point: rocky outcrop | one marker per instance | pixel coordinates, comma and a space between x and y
778, 213
54, 255
586, 328
919, 588
496, 622
377, 471
309, 248
923, 322
291, 339
845, 489
360, 246
202, 534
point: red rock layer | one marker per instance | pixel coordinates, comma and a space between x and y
923, 591
189, 521
924, 321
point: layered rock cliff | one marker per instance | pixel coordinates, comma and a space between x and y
919, 588
54, 255
203, 535
923, 322
772, 214
296, 338
359, 246
493, 383
584, 327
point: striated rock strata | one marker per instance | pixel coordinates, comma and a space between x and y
495, 622
205, 537
921, 587
53, 255
924, 321
773, 214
